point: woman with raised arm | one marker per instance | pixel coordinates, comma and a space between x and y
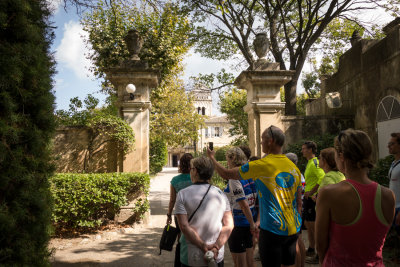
353, 216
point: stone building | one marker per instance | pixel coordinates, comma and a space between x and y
368, 81
215, 130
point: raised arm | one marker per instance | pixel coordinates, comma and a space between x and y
221, 170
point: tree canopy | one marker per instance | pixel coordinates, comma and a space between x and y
228, 27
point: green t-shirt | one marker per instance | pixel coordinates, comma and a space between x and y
332, 177
181, 181
313, 174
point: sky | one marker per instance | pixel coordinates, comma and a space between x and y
73, 77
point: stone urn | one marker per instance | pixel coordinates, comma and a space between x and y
261, 45
134, 42
355, 38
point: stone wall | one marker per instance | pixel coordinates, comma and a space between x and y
368, 72
70, 152
304, 127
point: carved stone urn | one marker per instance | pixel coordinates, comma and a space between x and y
355, 38
261, 45
134, 43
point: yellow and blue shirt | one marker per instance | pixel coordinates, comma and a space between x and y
277, 179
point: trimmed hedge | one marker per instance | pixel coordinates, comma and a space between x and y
86, 200
380, 172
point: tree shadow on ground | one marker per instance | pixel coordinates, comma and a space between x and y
129, 250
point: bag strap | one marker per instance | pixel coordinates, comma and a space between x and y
200, 203
393, 166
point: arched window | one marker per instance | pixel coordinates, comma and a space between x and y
203, 111
388, 109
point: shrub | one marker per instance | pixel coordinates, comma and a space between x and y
380, 173
220, 153
322, 141
217, 180
26, 128
158, 154
85, 200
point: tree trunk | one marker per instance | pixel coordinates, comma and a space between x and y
290, 96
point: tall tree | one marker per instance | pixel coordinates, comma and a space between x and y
228, 26
26, 129
166, 32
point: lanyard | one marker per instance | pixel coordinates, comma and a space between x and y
391, 168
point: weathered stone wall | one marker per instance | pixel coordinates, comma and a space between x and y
304, 127
368, 72
70, 152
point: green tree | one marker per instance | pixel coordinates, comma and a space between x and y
227, 27
166, 41
26, 129
232, 104
103, 125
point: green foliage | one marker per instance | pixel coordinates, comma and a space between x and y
232, 103
172, 116
26, 128
220, 153
104, 126
85, 200
217, 180
380, 172
240, 141
158, 154
322, 141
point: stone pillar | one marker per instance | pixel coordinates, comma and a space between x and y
264, 106
135, 107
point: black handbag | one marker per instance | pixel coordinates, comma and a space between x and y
168, 238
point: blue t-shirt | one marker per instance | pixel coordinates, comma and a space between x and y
181, 181
241, 190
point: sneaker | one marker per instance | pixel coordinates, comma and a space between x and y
310, 252
312, 260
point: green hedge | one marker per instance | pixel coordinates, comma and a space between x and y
85, 200
379, 174
158, 154
322, 141
217, 180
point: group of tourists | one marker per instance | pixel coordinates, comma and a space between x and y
267, 201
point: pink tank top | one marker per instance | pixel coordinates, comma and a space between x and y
360, 243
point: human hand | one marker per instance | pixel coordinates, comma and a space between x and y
210, 153
307, 194
314, 198
169, 219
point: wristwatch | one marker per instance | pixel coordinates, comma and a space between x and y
168, 215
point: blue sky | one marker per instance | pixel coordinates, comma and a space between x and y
73, 77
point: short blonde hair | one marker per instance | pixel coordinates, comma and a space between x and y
236, 156
204, 167
356, 146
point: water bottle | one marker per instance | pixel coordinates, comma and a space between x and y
209, 257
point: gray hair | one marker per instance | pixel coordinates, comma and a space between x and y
293, 157
237, 156
204, 167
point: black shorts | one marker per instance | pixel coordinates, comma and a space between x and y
308, 209
276, 250
240, 239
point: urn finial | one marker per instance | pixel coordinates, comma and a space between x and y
134, 42
261, 45
355, 37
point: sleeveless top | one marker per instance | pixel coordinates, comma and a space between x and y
359, 243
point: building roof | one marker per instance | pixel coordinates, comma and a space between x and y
216, 119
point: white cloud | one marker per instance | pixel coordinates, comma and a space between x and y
72, 50
54, 5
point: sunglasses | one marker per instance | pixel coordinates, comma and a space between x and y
271, 133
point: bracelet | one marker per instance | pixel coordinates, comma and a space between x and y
168, 215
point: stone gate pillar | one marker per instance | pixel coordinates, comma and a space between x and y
133, 80
264, 106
